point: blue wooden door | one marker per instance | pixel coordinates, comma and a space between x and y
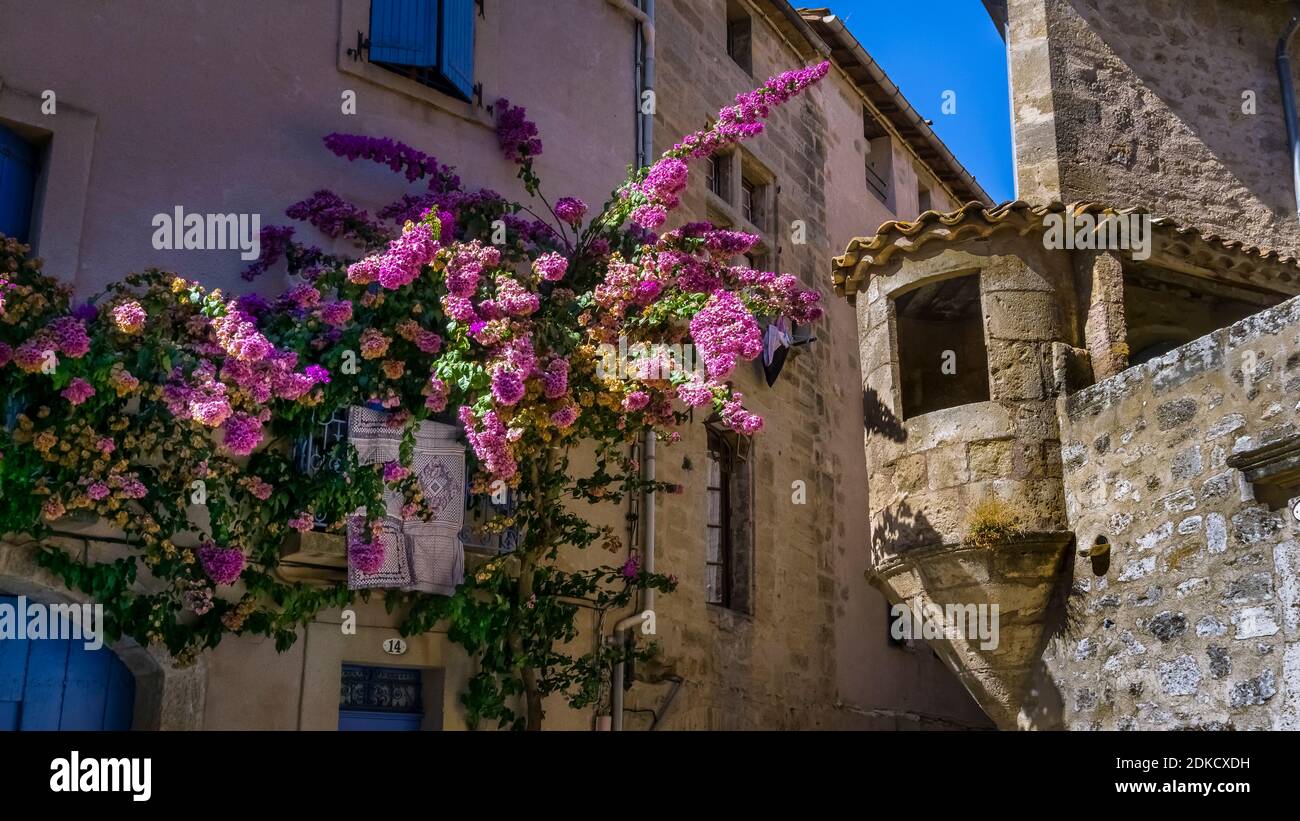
18, 171
381, 698
57, 684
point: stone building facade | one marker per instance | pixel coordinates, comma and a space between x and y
1118, 474
1171, 106
801, 641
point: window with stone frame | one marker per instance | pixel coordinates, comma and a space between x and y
729, 521
740, 35
757, 193
941, 353
717, 175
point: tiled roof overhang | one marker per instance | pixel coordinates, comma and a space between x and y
885, 96
1175, 247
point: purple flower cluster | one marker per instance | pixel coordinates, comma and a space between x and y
333, 216
737, 418
436, 400
275, 241
366, 555
238, 335
744, 120
394, 472
336, 314
507, 387
129, 317
243, 433
398, 156
663, 182
555, 379
70, 336
515, 299
516, 134
221, 564
489, 439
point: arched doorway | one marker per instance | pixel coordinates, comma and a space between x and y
59, 684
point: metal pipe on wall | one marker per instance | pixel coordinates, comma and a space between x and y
1288, 100
644, 61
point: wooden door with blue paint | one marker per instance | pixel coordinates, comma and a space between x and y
57, 684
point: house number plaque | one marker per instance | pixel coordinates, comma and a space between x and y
394, 647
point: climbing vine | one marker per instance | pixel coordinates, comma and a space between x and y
169, 411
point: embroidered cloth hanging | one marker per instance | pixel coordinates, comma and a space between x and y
420, 555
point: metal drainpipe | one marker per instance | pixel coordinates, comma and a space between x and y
644, 13
646, 611
1288, 100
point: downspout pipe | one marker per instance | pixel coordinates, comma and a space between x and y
1288, 99
646, 617
644, 14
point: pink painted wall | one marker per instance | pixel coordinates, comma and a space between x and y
221, 107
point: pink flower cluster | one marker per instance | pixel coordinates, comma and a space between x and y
489, 439
332, 215
398, 156
570, 210
402, 262
744, 120
78, 391
551, 266
129, 317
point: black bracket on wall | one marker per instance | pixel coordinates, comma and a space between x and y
363, 42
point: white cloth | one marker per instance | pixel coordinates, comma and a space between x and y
424, 556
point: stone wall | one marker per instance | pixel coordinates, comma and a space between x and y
814, 653
928, 471
1193, 621
1142, 104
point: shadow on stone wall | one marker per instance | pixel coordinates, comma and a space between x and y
877, 418
901, 528
1043, 707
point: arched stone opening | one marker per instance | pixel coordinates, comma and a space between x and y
166, 698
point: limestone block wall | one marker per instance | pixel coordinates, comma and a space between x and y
814, 652
926, 472
1174, 106
1195, 622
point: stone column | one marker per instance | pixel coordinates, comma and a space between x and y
1033, 108
1104, 329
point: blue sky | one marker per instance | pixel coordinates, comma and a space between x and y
945, 45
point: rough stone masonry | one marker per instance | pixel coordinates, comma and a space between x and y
1195, 623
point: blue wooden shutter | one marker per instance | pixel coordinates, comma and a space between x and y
404, 32
18, 169
458, 45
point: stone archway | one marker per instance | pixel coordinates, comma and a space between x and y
166, 698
